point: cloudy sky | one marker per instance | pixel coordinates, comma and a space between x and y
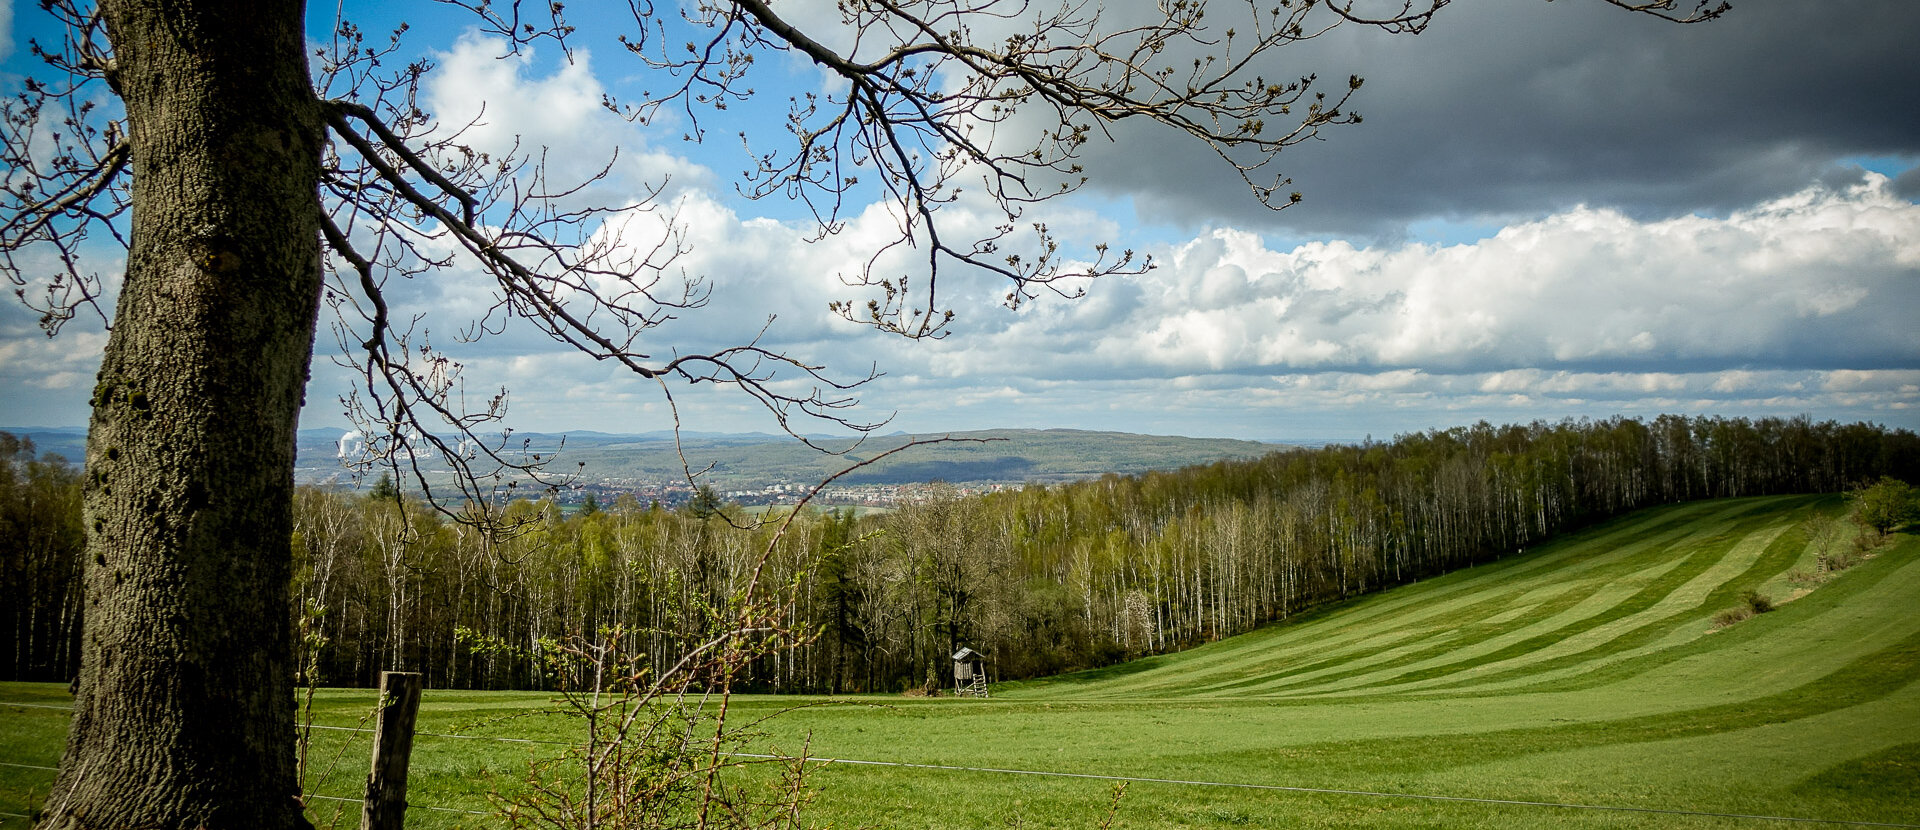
1550, 210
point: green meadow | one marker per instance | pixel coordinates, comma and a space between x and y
1580, 684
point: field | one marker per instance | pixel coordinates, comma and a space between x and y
1581, 684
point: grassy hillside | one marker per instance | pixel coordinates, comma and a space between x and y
1585, 672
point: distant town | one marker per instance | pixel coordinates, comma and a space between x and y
762, 471
677, 493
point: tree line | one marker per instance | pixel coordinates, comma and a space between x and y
1042, 580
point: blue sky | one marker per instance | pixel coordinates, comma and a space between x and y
1550, 210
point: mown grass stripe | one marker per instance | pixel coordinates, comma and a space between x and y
1369, 623
1652, 611
1655, 614
1868, 678
1609, 550
1583, 598
1788, 638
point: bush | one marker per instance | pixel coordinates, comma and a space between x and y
1844, 559
1886, 505
1729, 616
1751, 603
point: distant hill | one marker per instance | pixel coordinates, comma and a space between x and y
754, 459
68, 442
1012, 455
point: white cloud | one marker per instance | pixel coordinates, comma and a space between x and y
32, 360
1823, 279
497, 102
6, 29
1583, 313
1347, 405
1801, 304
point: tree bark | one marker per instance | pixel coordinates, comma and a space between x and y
185, 712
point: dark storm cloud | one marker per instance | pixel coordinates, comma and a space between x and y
1907, 186
1506, 110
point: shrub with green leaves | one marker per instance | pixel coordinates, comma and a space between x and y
1886, 505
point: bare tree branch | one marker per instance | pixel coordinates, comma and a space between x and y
65, 158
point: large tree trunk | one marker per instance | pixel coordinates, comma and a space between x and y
185, 710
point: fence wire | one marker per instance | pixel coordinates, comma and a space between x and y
410, 805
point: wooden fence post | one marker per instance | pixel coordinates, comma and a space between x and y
386, 804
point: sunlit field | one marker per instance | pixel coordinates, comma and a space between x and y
1581, 684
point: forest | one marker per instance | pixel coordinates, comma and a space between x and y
1042, 580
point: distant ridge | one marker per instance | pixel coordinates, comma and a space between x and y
754, 459
1001, 455
67, 442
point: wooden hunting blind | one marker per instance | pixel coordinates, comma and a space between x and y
969, 672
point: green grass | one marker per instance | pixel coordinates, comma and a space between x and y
1584, 672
